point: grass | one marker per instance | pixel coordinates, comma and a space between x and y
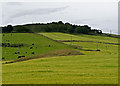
41, 45
64, 52
105, 48
85, 69
95, 67
82, 37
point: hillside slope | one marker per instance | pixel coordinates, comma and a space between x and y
34, 44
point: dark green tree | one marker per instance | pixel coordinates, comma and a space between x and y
7, 29
10, 28
83, 29
21, 29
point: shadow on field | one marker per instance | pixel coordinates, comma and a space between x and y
65, 52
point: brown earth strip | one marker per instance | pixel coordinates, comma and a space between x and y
66, 52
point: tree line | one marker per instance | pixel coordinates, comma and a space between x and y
51, 27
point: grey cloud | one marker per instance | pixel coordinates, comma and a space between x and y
81, 21
40, 11
13, 3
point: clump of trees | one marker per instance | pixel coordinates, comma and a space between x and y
51, 27
20, 29
7, 29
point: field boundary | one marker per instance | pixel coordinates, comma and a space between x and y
74, 46
87, 41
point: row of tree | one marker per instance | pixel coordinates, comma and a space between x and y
51, 27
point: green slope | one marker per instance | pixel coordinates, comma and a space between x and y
41, 45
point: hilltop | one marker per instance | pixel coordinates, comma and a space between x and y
51, 27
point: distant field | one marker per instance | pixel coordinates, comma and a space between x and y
64, 36
95, 67
105, 48
41, 45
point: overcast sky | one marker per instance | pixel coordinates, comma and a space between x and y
102, 14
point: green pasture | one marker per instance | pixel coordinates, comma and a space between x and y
41, 45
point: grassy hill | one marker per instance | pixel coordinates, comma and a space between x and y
95, 67
41, 45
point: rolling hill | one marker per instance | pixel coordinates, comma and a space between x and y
94, 67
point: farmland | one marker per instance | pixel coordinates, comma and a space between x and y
95, 67
83, 37
41, 45
88, 42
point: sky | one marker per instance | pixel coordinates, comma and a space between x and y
99, 14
